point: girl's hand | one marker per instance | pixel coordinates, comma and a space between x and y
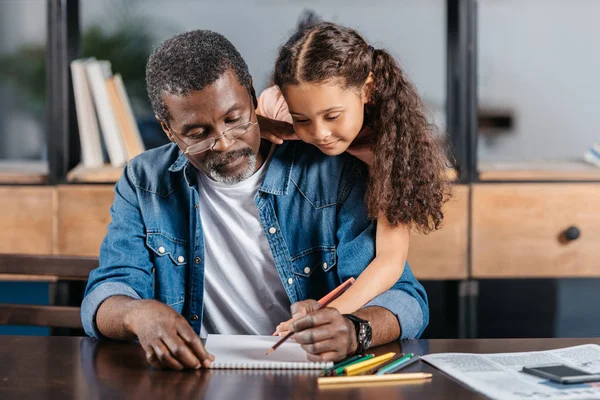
282, 329
275, 131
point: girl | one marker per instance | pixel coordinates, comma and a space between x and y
343, 95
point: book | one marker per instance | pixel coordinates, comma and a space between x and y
130, 133
89, 133
98, 72
248, 352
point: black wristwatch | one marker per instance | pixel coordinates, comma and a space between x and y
363, 332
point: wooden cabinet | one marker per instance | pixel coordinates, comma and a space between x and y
443, 254
27, 225
519, 230
82, 218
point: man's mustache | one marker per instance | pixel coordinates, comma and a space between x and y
225, 158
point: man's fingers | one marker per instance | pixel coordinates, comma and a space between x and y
314, 335
165, 358
313, 319
193, 341
324, 357
181, 352
302, 308
152, 359
323, 346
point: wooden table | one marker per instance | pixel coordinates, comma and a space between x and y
74, 367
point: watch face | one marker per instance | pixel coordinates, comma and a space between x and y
365, 335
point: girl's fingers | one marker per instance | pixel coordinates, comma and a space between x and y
271, 138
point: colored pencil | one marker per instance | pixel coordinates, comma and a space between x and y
332, 380
334, 294
390, 369
362, 366
343, 363
388, 362
340, 370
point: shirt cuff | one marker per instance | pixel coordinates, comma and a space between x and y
406, 309
92, 302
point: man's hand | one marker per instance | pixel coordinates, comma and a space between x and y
324, 333
275, 131
167, 338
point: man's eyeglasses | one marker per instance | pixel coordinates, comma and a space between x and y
208, 144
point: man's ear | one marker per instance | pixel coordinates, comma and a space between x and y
253, 94
165, 128
368, 87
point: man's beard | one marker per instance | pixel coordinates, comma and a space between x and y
210, 168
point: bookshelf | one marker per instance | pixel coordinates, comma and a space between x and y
104, 174
539, 171
23, 172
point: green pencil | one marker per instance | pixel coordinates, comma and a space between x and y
340, 370
398, 365
343, 363
379, 367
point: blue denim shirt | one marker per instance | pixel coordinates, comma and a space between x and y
154, 248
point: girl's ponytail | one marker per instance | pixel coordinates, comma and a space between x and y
408, 180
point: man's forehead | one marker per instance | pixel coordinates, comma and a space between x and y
215, 100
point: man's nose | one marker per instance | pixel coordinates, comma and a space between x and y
222, 144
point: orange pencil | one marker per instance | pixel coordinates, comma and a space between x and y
323, 302
334, 294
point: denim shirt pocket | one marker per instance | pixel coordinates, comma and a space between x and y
313, 269
170, 258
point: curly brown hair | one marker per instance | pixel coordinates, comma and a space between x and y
408, 181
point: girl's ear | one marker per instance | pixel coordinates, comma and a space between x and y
367, 89
165, 129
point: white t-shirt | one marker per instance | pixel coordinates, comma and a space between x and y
243, 293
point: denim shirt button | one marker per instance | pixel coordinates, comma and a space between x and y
290, 281
197, 260
180, 259
272, 230
161, 250
307, 270
324, 265
194, 318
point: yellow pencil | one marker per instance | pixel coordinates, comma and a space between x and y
365, 365
325, 380
333, 380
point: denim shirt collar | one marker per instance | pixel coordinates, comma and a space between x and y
279, 173
277, 177
179, 163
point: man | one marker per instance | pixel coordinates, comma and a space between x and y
221, 232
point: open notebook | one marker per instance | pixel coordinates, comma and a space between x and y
248, 352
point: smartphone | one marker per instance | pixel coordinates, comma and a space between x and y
562, 373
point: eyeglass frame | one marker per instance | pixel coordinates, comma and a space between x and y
215, 138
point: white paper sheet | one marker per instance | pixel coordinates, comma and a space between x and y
499, 376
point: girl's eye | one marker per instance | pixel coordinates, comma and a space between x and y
332, 117
300, 121
233, 120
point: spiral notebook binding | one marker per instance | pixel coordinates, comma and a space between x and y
271, 365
